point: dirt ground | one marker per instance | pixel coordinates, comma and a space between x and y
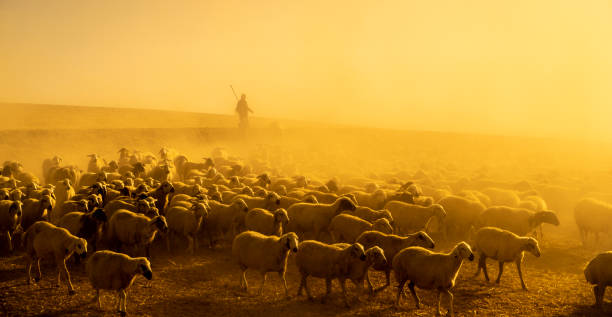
206, 284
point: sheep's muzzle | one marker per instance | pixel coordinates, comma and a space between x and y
295, 250
471, 258
362, 257
148, 275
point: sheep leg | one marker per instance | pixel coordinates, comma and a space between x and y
400, 289
306, 287
61, 266
501, 270
328, 285
243, 281
263, 282
282, 276
370, 287
388, 276
484, 268
343, 286
10, 241
599, 291
417, 300
122, 301
98, 298
480, 259
28, 269
39, 277
520, 273
450, 303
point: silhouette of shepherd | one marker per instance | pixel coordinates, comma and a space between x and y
242, 109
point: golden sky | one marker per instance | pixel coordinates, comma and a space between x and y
512, 67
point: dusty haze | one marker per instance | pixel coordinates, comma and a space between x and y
520, 68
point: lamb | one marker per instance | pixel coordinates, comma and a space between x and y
598, 272
392, 244
85, 225
348, 228
327, 261
410, 218
517, 220
130, 229
10, 217
316, 217
35, 210
223, 218
43, 239
461, 215
503, 246
115, 271
264, 253
96, 163
592, 216
186, 222
430, 270
265, 222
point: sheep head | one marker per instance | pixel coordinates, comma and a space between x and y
272, 200
143, 266
78, 246
345, 203
438, 211
166, 187
160, 223
463, 251
99, 215
290, 241
240, 205
420, 239
382, 225
281, 216
531, 245
545, 217
356, 251
376, 256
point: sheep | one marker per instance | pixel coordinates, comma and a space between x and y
16, 195
85, 225
316, 217
57, 174
461, 214
127, 228
262, 180
223, 218
517, 220
426, 269
48, 164
10, 218
70, 206
141, 206
359, 270
598, 272
270, 202
592, 216
90, 178
392, 244
348, 228
502, 197
264, 253
43, 239
503, 246
265, 222
63, 192
186, 222
327, 261
111, 168
161, 194
96, 163
368, 214
410, 218
115, 271
35, 210
374, 200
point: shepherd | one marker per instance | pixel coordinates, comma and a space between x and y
242, 109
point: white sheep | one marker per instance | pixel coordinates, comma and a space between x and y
592, 217
10, 218
371, 215
599, 273
409, 218
426, 269
186, 222
392, 244
44, 239
518, 220
90, 178
95, 164
63, 192
223, 219
48, 164
265, 222
502, 197
270, 202
347, 228
461, 214
35, 210
327, 261
115, 271
374, 200
359, 270
263, 253
306, 217
134, 230
503, 246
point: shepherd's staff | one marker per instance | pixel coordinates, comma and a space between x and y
236, 96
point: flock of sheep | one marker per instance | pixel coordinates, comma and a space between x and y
111, 214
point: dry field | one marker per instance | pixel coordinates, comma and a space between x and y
207, 284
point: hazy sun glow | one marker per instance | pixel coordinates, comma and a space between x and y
512, 67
